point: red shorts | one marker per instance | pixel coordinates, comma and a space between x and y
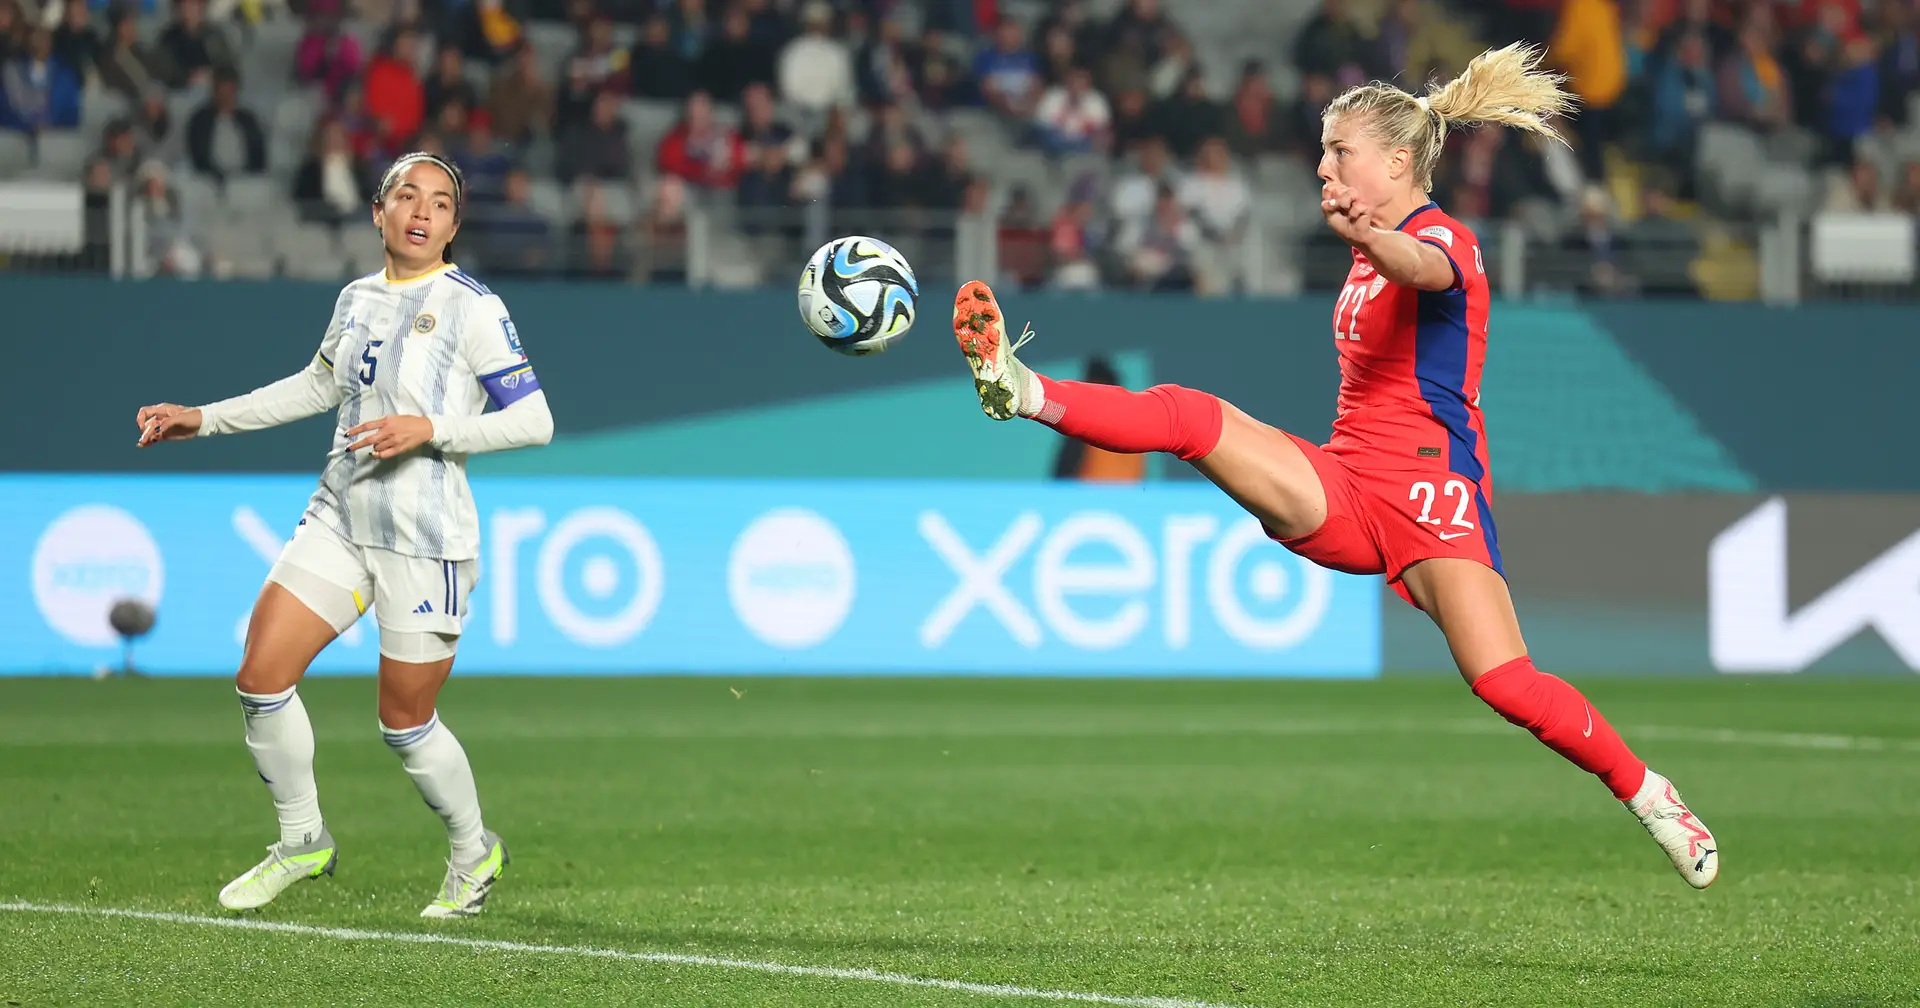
1384, 521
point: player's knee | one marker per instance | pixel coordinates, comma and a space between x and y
1197, 420
259, 675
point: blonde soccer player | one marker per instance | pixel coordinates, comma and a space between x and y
412, 358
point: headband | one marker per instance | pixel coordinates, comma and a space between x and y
406, 161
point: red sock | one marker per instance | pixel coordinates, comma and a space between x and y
1164, 418
1558, 715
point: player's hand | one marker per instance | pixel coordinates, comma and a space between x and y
1347, 214
166, 422
392, 435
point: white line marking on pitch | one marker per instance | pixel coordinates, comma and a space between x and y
1777, 740
660, 958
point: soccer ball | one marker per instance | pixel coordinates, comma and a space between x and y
857, 295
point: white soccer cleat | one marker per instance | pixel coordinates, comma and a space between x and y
282, 868
464, 893
1002, 381
1693, 850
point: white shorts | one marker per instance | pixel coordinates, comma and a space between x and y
414, 595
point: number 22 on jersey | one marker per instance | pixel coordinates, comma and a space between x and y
1346, 311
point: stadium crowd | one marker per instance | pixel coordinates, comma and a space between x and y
781, 104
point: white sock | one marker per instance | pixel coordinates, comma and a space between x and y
1032, 395
439, 768
281, 739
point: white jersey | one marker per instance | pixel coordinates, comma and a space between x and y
440, 346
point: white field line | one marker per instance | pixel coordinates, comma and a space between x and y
1774, 740
655, 958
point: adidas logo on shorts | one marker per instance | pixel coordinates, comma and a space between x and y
424, 607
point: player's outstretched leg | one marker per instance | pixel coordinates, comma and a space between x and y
435, 760
283, 636
1470, 603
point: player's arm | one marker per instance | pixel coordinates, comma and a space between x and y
1410, 260
520, 417
309, 391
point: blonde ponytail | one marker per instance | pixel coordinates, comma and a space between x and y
1504, 86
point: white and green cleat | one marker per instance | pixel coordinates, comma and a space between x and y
464, 893
1005, 385
283, 867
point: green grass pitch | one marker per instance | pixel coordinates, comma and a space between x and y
1254, 843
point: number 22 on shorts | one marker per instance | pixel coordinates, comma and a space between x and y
1426, 493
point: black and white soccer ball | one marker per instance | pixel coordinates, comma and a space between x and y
857, 295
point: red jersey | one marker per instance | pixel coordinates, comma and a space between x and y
1410, 361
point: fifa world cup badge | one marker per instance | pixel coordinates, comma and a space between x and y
424, 323
513, 337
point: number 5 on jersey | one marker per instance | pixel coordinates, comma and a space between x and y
372, 363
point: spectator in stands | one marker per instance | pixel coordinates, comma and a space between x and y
1859, 191
1217, 198
172, 232
1191, 116
486, 30
734, 60
327, 56
936, 77
890, 129
1486, 174
703, 152
1753, 86
333, 184
75, 42
1521, 20
598, 66
692, 30
657, 71
1333, 45
1811, 58
40, 91
13, 28
1853, 97
766, 187
1682, 95
513, 239
1074, 118
881, 71
662, 255
1008, 75
127, 65
1697, 17
1132, 45
191, 49
154, 132
448, 83
1303, 115
1588, 43
1070, 17
598, 246
393, 96
816, 70
120, 150
1072, 240
1176, 62
1133, 121
1419, 40
1058, 56
1133, 194
829, 176
1159, 250
1899, 60
224, 139
770, 25
1906, 198
597, 148
96, 186
363, 130
947, 181
897, 181
1255, 124
1023, 243
521, 100
482, 158
760, 124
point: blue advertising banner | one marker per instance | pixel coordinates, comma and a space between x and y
583, 575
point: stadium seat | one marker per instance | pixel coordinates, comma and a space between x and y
552, 42
619, 198
60, 154
266, 65
550, 201
16, 153
294, 115
99, 107
647, 122
251, 192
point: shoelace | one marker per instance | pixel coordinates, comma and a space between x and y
449, 891
1026, 336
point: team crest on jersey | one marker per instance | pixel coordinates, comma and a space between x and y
424, 323
1379, 284
1444, 234
513, 337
